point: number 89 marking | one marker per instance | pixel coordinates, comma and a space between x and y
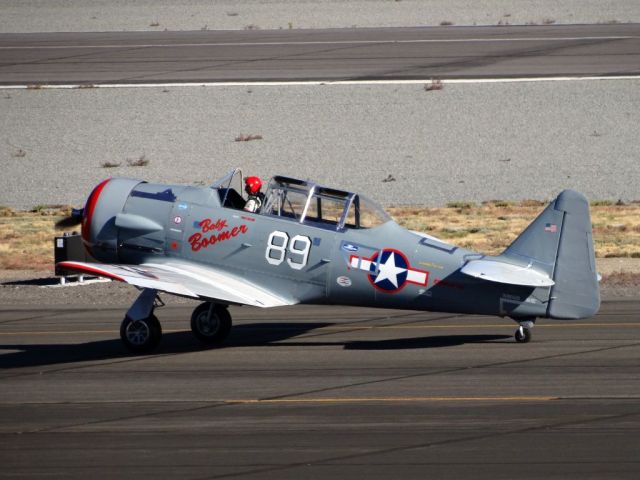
299, 247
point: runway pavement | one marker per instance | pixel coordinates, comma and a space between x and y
325, 54
321, 392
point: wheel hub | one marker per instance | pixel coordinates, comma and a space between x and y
208, 324
138, 332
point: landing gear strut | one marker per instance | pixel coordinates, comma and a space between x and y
211, 323
140, 330
523, 333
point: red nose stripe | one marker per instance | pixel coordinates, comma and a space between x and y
89, 208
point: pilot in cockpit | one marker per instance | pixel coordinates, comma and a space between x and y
252, 186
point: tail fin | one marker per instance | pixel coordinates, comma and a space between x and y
559, 242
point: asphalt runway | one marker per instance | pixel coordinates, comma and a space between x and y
323, 54
321, 392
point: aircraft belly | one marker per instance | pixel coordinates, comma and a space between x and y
413, 275
482, 298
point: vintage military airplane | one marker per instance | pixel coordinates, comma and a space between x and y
317, 245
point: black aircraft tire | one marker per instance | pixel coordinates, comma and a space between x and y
141, 336
524, 337
211, 331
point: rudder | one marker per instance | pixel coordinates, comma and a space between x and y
576, 293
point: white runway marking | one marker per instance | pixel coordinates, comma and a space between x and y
454, 81
320, 42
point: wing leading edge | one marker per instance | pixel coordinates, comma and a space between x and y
186, 280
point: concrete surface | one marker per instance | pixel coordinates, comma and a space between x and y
320, 393
119, 15
465, 142
320, 55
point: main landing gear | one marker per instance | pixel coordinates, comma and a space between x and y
210, 323
141, 336
523, 333
141, 332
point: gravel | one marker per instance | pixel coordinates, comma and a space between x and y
464, 143
135, 15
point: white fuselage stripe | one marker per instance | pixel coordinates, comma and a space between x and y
415, 276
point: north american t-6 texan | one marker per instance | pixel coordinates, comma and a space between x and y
310, 244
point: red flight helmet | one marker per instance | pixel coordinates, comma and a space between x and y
253, 185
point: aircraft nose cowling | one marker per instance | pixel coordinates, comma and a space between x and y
99, 232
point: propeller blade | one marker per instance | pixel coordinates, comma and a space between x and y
72, 220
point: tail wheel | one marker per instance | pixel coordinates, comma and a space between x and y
211, 323
141, 336
523, 335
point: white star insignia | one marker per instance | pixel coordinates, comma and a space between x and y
389, 271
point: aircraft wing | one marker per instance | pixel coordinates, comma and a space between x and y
185, 279
501, 272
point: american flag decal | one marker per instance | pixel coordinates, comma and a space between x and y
550, 227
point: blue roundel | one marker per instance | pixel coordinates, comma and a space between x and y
389, 270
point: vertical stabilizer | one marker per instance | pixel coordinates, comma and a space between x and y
559, 242
538, 244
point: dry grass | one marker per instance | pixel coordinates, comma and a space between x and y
390, 178
26, 238
622, 278
110, 165
142, 161
434, 85
491, 227
247, 138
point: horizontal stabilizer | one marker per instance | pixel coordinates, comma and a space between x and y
501, 272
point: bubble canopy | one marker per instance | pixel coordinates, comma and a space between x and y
310, 203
